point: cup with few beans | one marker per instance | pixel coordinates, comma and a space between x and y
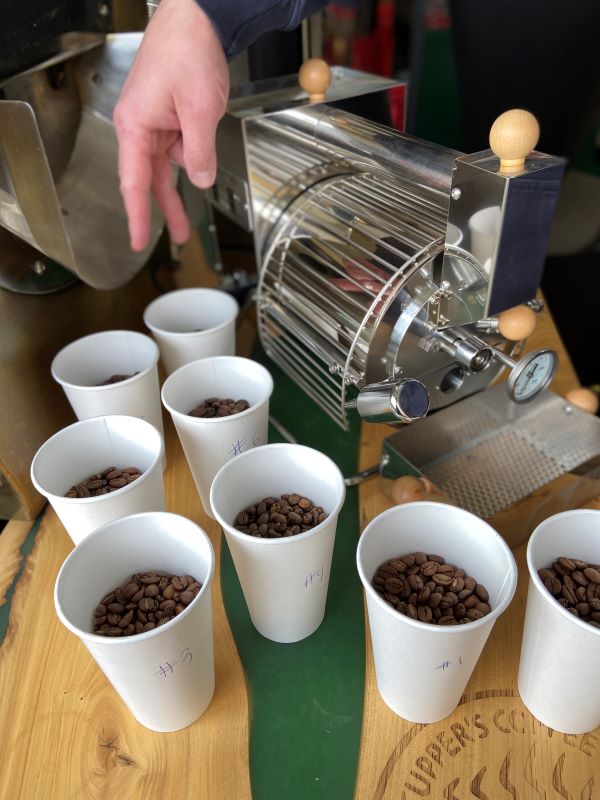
100, 469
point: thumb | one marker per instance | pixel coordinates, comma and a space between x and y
198, 133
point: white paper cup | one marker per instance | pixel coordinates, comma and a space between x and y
164, 676
484, 226
88, 447
422, 669
560, 654
81, 365
284, 580
209, 442
189, 324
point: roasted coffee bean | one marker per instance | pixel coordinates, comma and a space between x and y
579, 577
424, 587
217, 407
288, 515
149, 604
482, 593
575, 585
592, 574
117, 379
109, 480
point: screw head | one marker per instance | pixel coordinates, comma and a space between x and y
39, 267
456, 193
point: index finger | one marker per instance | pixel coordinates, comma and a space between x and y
135, 172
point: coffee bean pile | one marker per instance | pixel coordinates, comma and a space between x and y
216, 407
575, 584
104, 482
116, 379
144, 602
275, 517
423, 587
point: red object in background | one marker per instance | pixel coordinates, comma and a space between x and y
375, 52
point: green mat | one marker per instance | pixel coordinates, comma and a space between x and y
306, 699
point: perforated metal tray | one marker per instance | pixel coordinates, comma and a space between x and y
486, 453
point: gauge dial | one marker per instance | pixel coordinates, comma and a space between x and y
531, 375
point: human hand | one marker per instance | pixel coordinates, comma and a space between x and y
168, 110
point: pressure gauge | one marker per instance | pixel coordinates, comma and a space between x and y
531, 375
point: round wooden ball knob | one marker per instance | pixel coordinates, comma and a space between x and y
584, 399
315, 77
409, 489
513, 136
517, 323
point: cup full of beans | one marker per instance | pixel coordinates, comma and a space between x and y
220, 408
137, 593
100, 469
560, 651
436, 578
278, 506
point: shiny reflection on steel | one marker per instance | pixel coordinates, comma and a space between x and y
59, 183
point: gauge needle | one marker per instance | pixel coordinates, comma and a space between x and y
530, 374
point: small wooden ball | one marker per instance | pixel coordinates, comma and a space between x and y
409, 489
517, 323
584, 399
513, 136
315, 78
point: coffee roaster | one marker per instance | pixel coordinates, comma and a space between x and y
398, 278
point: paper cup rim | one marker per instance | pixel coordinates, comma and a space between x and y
509, 584
212, 420
244, 537
116, 641
192, 334
537, 581
98, 498
131, 379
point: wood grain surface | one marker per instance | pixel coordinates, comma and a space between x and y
64, 733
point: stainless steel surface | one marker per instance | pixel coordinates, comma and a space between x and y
59, 185
400, 401
503, 221
487, 453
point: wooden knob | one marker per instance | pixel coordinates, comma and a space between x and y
409, 489
517, 323
584, 399
512, 137
315, 77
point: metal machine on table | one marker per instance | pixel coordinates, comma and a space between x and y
398, 278
395, 277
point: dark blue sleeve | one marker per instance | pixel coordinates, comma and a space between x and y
240, 22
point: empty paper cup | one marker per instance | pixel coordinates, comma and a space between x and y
422, 669
165, 676
89, 447
208, 442
84, 364
284, 580
560, 654
484, 226
189, 324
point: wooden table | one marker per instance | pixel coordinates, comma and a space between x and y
65, 734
